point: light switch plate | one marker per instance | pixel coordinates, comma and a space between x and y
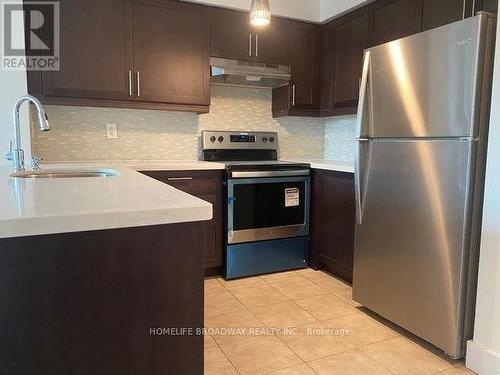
111, 131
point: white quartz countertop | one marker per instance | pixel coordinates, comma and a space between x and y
329, 165
193, 165
60, 205
162, 165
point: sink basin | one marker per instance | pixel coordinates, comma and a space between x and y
65, 174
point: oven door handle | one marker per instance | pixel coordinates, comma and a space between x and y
254, 174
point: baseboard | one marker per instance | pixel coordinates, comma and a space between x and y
482, 360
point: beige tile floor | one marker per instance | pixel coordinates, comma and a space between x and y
306, 323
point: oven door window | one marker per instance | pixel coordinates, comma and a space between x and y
264, 205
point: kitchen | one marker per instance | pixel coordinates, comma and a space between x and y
235, 158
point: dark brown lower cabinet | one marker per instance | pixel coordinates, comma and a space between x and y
101, 302
333, 223
206, 185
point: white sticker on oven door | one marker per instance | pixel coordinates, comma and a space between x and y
292, 197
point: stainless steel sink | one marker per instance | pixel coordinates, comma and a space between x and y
65, 174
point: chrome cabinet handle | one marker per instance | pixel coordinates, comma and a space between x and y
294, 89
130, 93
138, 75
179, 178
256, 45
250, 44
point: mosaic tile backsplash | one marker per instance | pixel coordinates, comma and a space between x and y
78, 133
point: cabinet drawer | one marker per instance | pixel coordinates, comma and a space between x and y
192, 182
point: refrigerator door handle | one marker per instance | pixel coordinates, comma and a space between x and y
358, 181
361, 140
362, 94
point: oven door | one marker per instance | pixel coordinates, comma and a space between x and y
267, 208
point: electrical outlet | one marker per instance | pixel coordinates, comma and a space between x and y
111, 131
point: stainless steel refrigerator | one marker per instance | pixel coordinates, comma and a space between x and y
422, 127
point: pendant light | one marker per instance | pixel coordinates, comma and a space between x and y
260, 13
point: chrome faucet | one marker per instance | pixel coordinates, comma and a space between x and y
16, 155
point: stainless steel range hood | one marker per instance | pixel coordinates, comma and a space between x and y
248, 74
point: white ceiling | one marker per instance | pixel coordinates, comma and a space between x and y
332, 8
307, 10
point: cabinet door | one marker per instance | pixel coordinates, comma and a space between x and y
305, 51
96, 51
438, 13
486, 5
271, 42
230, 35
350, 39
333, 223
395, 19
171, 52
206, 185
281, 101
213, 233
327, 66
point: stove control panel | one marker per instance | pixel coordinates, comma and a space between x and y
224, 140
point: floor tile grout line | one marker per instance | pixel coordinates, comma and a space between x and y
381, 364
275, 303
225, 355
293, 351
229, 360
256, 317
360, 348
392, 338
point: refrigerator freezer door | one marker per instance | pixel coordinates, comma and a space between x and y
410, 246
425, 85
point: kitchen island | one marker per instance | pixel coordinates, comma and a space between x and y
100, 275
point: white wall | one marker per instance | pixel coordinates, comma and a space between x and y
483, 352
308, 10
332, 8
12, 86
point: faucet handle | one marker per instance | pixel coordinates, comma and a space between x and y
10, 155
35, 162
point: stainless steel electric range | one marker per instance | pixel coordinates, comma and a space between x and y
268, 203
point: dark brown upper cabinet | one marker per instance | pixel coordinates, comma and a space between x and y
344, 41
304, 59
395, 19
271, 42
232, 37
151, 54
96, 51
438, 13
171, 52
301, 97
350, 38
486, 5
